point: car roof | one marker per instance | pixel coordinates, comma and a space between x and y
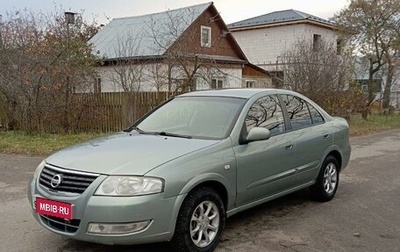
245, 93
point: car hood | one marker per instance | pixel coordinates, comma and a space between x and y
124, 153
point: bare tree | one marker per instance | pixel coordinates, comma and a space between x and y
127, 67
158, 75
321, 74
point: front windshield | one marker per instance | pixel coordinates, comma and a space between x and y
196, 117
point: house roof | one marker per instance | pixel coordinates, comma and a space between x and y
147, 35
279, 17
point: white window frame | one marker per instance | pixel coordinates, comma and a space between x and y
219, 83
208, 43
250, 83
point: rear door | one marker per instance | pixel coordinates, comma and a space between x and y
309, 135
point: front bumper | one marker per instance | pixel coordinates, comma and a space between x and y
87, 208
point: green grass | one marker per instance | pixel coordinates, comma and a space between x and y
18, 142
374, 123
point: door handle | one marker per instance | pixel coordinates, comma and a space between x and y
289, 147
326, 136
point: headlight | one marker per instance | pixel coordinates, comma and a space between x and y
38, 170
129, 186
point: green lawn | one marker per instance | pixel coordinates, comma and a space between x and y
374, 123
18, 142
43, 144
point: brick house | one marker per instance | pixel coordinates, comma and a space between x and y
179, 50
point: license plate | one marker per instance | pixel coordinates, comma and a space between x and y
53, 208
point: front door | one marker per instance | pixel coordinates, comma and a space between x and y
265, 168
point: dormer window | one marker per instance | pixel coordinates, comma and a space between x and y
205, 36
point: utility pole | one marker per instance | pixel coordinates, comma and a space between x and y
69, 20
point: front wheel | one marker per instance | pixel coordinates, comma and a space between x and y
328, 180
200, 221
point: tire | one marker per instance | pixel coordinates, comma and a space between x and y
202, 215
327, 182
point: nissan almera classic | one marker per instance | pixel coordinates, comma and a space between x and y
181, 170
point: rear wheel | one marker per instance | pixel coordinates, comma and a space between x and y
328, 180
200, 221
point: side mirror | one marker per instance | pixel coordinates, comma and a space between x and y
258, 134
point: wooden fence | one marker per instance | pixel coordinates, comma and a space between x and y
110, 112
86, 112
3, 114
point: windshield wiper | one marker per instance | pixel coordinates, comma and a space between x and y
163, 133
139, 130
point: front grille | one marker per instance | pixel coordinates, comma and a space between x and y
68, 226
71, 181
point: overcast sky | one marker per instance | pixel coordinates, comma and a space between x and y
231, 10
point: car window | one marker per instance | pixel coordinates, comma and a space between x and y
315, 115
298, 112
266, 112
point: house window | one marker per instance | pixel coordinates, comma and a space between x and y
250, 84
375, 86
193, 86
317, 40
205, 36
339, 47
364, 88
217, 83
97, 85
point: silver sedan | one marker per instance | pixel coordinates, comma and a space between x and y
181, 170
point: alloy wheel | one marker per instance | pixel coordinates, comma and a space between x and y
204, 224
330, 178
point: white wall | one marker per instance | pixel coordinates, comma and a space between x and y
108, 74
264, 46
232, 78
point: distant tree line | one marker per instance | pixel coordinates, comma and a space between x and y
375, 38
